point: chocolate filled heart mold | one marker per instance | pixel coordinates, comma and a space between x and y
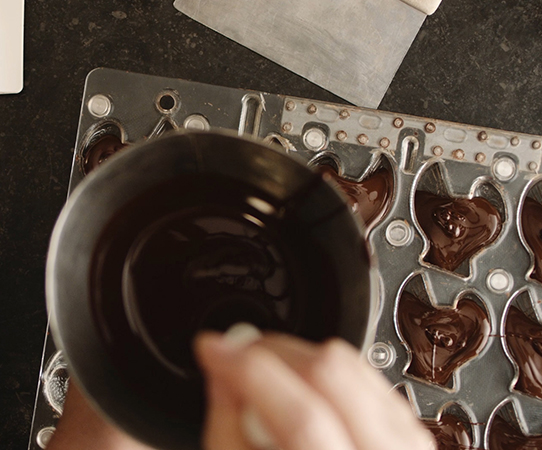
441, 339
524, 341
370, 197
456, 228
503, 436
450, 433
531, 219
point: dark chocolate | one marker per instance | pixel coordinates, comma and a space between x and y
370, 197
100, 150
450, 433
441, 339
503, 436
456, 228
531, 221
524, 340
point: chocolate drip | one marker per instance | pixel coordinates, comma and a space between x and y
531, 218
450, 433
370, 198
524, 339
503, 436
456, 228
102, 149
441, 339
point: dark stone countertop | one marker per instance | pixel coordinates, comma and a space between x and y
476, 62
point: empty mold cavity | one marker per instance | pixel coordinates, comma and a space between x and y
523, 340
456, 228
531, 227
440, 339
371, 195
102, 142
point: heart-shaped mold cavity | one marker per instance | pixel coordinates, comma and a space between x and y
456, 227
371, 196
441, 339
531, 225
523, 334
450, 432
506, 435
102, 143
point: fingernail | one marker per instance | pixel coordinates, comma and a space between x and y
255, 431
242, 334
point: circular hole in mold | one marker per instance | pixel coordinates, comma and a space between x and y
167, 102
531, 229
440, 339
456, 228
523, 343
507, 429
452, 429
370, 196
100, 144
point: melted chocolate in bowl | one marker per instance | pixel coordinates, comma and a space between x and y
524, 340
192, 254
456, 228
370, 197
503, 436
450, 433
102, 149
531, 218
441, 339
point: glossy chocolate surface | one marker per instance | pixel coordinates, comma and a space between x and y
370, 198
456, 228
503, 436
441, 339
102, 149
531, 221
450, 433
524, 340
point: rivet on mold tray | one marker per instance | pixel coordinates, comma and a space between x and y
99, 105
312, 109
381, 356
363, 139
384, 142
341, 135
480, 157
514, 141
438, 150
398, 122
315, 139
344, 114
458, 154
499, 281
533, 166
290, 105
536, 145
430, 127
482, 136
287, 127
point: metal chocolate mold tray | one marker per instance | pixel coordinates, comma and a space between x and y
454, 215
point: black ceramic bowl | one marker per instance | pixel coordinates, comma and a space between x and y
188, 232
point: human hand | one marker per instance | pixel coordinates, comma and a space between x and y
307, 396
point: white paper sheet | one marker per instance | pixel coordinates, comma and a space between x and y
11, 46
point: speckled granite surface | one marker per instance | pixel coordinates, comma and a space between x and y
474, 62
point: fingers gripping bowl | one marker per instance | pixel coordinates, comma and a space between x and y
188, 232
